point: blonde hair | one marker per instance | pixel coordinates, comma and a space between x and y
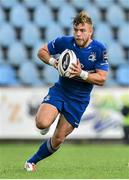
82, 18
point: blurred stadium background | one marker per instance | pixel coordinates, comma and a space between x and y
25, 25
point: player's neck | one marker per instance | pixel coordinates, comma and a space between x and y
88, 42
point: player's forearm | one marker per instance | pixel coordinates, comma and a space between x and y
44, 55
95, 78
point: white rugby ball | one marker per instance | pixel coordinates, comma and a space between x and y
66, 58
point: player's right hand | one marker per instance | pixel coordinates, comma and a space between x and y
56, 64
75, 69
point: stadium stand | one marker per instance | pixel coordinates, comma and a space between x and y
2, 16
115, 16
8, 4
43, 16
7, 76
124, 4
17, 54
116, 59
1, 55
47, 72
104, 34
19, 16
28, 74
56, 4
104, 4
80, 4
66, 9
95, 14
111, 79
53, 30
32, 4
122, 72
27, 24
123, 34
30, 34
7, 34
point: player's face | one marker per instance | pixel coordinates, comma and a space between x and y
82, 34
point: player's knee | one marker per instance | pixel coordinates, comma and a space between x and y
42, 123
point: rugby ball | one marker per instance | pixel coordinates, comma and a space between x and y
66, 58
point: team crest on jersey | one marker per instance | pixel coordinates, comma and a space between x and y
92, 57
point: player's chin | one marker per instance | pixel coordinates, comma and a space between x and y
80, 43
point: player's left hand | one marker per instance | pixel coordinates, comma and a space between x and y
75, 69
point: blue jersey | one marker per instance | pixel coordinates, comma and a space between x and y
92, 57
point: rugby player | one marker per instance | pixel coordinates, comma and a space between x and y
69, 97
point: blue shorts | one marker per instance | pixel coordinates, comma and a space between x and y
72, 109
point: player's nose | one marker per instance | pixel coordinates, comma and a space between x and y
78, 33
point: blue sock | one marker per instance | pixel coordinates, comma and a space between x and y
44, 151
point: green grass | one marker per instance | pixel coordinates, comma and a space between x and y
71, 161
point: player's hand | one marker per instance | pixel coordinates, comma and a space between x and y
75, 69
56, 64
53, 62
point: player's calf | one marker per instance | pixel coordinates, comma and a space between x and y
57, 141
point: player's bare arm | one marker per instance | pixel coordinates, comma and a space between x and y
44, 54
46, 57
97, 78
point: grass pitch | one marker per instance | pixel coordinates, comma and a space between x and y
70, 162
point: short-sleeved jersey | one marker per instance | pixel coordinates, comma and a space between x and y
92, 57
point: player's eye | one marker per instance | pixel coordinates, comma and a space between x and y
83, 30
75, 30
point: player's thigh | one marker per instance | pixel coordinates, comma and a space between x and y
46, 114
63, 129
